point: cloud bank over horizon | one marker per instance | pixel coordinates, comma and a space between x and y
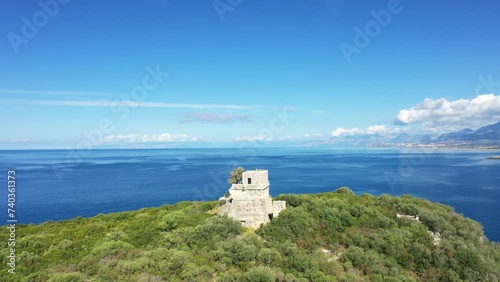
444, 115
370, 130
149, 138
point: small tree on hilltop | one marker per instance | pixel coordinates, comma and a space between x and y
235, 177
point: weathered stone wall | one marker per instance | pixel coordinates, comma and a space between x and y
259, 177
245, 189
251, 212
412, 217
251, 203
278, 206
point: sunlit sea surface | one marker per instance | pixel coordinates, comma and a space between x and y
58, 184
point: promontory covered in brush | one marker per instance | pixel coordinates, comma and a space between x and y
334, 236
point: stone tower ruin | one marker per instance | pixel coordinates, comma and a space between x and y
249, 201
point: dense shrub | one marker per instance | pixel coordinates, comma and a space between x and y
334, 236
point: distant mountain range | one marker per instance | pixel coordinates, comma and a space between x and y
486, 136
483, 134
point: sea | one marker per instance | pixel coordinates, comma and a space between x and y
64, 184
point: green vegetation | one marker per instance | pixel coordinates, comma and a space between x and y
334, 236
235, 176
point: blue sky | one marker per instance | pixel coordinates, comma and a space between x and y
241, 71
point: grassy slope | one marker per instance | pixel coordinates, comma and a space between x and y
333, 236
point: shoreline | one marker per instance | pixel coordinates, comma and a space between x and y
419, 146
298, 146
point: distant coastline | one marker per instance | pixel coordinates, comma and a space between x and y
438, 146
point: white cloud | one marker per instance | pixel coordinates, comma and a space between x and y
315, 135
124, 103
339, 132
263, 137
16, 140
212, 118
149, 138
375, 129
253, 138
445, 114
138, 104
370, 130
52, 92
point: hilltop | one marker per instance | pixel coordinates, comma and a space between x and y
488, 134
334, 236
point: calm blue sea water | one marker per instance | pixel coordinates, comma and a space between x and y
57, 184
